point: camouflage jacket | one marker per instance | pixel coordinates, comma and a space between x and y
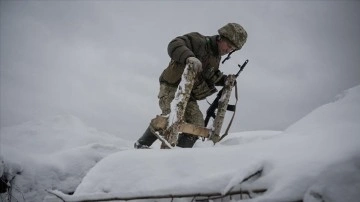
206, 50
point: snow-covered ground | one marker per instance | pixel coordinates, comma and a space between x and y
52, 154
315, 159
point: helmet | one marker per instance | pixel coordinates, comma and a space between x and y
234, 33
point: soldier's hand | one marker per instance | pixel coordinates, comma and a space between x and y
194, 63
230, 80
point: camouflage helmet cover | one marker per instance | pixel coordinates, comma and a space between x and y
234, 33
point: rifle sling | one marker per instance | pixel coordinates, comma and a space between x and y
232, 118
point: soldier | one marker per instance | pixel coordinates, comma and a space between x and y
204, 53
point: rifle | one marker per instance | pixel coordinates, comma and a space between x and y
210, 112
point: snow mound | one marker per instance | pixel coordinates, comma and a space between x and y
339, 116
248, 137
54, 153
341, 178
292, 162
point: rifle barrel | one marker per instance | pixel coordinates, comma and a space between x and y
241, 67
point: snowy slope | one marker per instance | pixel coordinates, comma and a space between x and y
54, 153
315, 159
312, 160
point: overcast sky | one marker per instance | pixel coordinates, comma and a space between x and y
100, 60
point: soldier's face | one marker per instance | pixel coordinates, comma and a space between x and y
225, 47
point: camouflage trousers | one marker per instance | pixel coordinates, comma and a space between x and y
192, 114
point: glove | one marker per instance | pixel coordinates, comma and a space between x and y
230, 80
194, 63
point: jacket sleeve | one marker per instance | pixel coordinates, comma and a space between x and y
180, 48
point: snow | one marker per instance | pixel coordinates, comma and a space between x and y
315, 159
179, 97
54, 153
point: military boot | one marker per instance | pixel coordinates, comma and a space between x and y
146, 140
186, 140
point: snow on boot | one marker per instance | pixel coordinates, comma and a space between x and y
146, 140
137, 145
